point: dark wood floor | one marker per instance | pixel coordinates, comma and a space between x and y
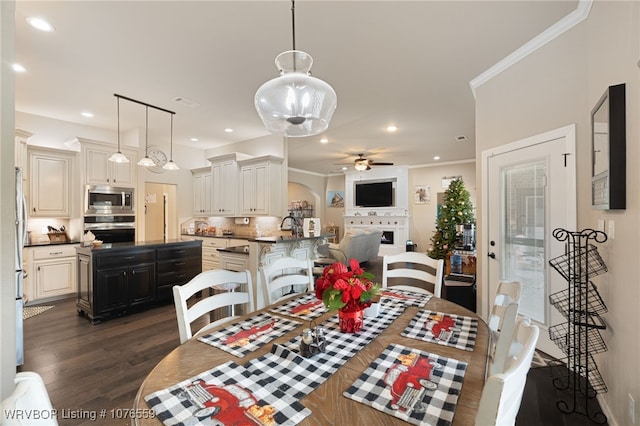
94, 367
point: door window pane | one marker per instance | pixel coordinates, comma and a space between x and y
523, 236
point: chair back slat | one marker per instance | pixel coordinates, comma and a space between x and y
203, 282
413, 266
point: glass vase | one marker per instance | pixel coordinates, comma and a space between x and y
351, 321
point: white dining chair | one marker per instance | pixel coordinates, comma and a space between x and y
502, 392
29, 396
286, 277
501, 322
186, 314
415, 268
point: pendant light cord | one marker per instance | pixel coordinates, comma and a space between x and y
293, 22
293, 31
171, 140
146, 132
118, 111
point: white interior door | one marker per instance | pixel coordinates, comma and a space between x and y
530, 192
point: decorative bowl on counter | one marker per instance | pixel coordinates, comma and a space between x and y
96, 243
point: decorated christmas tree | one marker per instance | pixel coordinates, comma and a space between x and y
456, 209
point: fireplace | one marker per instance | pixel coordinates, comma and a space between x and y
387, 237
395, 230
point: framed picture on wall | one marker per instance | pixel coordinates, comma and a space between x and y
422, 194
335, 199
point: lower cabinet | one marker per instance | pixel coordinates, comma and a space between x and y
176, 266
114, 281
52, 272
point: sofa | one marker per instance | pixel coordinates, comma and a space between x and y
360, 244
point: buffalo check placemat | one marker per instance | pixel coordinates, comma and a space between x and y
412, 385
404, 297
285, 369
246, 336
444, 329
226, 394
307, 307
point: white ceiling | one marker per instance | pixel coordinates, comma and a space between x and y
406, 63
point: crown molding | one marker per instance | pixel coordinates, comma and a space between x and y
565, 24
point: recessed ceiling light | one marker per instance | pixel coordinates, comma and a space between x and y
344, 168
437, 157
86, 114
40, 24
18, 68
392, 128
324, 140
194, 139
228, 130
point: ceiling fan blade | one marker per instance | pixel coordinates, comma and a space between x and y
375, 163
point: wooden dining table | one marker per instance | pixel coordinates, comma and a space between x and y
327, 403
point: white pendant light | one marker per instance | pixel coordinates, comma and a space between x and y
170, 165
295, 102
146, 161
118, 157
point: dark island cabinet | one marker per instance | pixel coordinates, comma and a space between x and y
176, 266
124, 277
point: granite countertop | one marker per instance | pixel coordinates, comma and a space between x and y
109, 246
51, 243
236, 250
240, 237
286, 239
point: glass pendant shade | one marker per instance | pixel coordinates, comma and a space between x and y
118, 157
146, 162
170, 165
295, 102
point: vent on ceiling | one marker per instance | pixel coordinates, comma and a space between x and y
461, 138
186, 102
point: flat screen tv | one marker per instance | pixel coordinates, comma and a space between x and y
374, 194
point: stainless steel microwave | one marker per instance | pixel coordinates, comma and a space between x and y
108, 200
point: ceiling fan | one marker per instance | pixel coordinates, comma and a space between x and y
362, 163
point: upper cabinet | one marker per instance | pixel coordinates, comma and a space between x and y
50, 177
98, 170
202, 191
224, 169
261, 186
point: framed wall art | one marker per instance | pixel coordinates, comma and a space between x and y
609, 150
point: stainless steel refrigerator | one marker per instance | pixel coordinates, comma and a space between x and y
21, 235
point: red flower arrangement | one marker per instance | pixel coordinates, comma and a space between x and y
347, 289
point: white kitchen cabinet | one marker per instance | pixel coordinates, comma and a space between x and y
261, 187
50, 173
98, 170
210, 253
225, 183
202, 191
234, 261
52, 272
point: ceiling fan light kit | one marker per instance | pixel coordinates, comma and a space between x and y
295, 102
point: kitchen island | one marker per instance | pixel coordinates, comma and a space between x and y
266, 250
119, 278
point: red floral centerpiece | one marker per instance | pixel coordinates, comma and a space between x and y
349, 290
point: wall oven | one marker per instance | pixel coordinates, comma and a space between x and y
108, 200
112, 228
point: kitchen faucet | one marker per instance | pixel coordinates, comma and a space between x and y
294, 224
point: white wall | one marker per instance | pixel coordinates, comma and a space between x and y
7, 197
558, 85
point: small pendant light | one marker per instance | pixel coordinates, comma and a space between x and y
170, 164
146, 161
118, 157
